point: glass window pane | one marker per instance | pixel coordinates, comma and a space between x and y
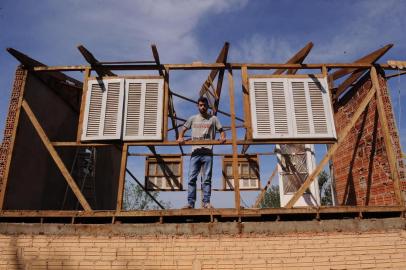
151, 169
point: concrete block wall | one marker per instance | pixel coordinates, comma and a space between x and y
361, 169
381, 249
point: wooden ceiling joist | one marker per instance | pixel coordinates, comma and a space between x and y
370, 58
94, 63
298, 58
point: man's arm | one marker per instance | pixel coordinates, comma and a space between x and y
181, 138
222, 136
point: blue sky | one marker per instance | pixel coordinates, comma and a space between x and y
186, 31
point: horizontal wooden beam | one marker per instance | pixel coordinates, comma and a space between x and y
199, 212
216, 66
202, 142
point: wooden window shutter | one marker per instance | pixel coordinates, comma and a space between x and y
104, 110
143, 109
296, 107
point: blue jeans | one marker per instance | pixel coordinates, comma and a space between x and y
203, 163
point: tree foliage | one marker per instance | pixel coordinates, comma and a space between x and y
271, 198
135, 198
325, 188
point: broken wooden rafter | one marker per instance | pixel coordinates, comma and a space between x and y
370, 58
222, 58
169, 107
30, 63
298, 58
94, 63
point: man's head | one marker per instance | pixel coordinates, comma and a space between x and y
203, 105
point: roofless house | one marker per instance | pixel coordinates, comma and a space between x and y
67, 140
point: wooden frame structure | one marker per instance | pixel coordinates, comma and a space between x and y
355, 70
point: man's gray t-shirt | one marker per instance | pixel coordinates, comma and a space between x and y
203, 129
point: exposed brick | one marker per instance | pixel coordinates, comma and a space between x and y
361, 169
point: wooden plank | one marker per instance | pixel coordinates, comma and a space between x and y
267, 76
166, 106
12, 141
264, 190
221, 58
298, 58
247, 109
202, 142
94, 63
348, 82
396, 74
343, 134
387, 137
82, 105
129, 77
234, 142
55, 156
369, 58
121, 179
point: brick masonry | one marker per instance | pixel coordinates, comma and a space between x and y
6, 147
96, 248
361, 169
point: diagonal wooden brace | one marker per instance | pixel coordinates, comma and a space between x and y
387, 137
58, 161
343, 134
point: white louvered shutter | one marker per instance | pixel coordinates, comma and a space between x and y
103, 110
143, 109
296, 107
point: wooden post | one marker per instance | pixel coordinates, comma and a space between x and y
166, 104
12, 139
234, 142
58, 161
121, 179
387, 137
343, 134
83, 104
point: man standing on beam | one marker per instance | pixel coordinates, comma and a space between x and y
204, 127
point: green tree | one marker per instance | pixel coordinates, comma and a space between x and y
271, 198
325, 188
135, 198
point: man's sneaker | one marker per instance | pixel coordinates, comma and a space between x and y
188, 206
207, 205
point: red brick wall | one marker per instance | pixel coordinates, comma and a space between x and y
10, 122
361, 168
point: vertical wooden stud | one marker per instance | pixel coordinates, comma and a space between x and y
83, 104
121, 179
166, 104
234, 141
246, 99
386, 136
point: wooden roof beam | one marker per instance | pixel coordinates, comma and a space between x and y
369, 58
348, 82
171, 107
298, 58
30, 63
94, 63
221, 58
